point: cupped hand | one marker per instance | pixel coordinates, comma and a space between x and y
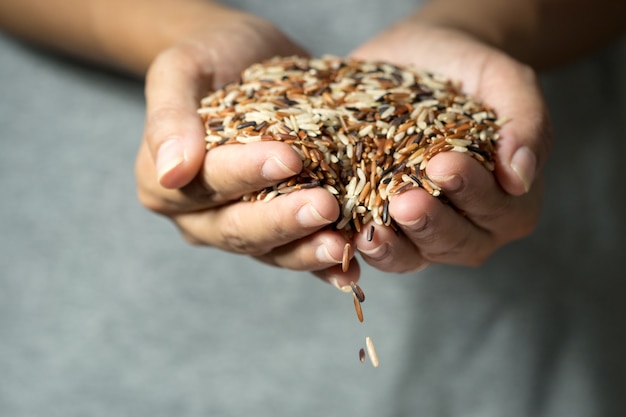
489, 210
201, 192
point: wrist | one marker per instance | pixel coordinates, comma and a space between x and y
540, 33
507, 26
148, 27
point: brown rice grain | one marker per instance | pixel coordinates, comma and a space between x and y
345, 260
357, 291
358, 127
357, 307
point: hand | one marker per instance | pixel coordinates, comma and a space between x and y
201, 192
496, 208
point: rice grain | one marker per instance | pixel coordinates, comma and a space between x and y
360, 295
357, 307
371, 352
345, 260
365, 131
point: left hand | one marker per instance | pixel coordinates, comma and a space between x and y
201, 192
497, 208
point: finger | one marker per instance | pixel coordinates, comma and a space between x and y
339, 279
438, 231
474, 191
315, 252
389, 251
231, 171
255, 228
510, 87
526, 139
174, 131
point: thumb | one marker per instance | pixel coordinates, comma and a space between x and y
174, 133
526, 139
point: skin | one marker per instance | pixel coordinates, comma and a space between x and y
493, 47
497, 209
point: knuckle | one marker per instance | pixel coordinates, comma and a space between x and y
220, 188
233, 236
240, 244
451, 251
280, 230
237, 234
462, 251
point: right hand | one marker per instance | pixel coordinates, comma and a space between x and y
199, 191
490, 210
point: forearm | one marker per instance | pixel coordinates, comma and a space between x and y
542, 33
126, 34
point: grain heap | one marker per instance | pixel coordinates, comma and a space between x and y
364, 130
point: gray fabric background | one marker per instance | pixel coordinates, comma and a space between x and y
104, 311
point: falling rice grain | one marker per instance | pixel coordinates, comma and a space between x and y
362, 355
357, 291
371, 351
357, 307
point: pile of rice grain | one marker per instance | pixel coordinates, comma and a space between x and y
364, 130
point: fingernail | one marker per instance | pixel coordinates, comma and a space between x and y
170, 155
377, 253
274, 169
323, 255
524, 164
335, 283
307, 216
448, 182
